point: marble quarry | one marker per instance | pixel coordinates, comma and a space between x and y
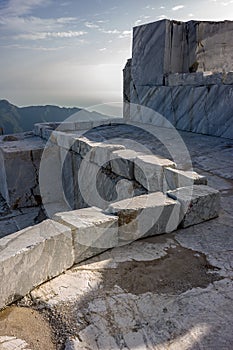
70, 191
124, 194
184, 72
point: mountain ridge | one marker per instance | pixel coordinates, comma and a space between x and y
14, 119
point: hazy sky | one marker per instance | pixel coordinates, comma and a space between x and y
72, 52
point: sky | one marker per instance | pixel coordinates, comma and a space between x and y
72, 52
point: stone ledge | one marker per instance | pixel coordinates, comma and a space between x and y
199, 79
93, 231
175, 178
198, 203
149, 171
33, 256
145, 215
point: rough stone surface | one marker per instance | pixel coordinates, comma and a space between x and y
102, 154
32, 256
149, 171
145, 215
172, 291
207, 109
198, 203
20, 157
123, 163
93, 231
13, 343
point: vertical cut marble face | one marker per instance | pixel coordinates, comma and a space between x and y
166, 47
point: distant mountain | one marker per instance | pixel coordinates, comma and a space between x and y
15, 119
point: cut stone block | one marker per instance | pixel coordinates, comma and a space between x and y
102, 154
21, 158
174, 178
145, 215
198, 203
62, 139
123, 163
149, 171
93, 231
83, 146
157, 49
33, 256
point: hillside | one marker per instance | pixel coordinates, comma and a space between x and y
15, 119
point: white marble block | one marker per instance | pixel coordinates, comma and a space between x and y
19, 171
149, 171
93, 231
33, 256
175, 178
123, 163
145, 215
198, 203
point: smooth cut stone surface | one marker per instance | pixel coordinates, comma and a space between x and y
93, 231
149, 171
198, 203
102, 154
33, 256
145, 215
22, 158
175, 178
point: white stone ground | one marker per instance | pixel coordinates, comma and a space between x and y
173, 291
169, 292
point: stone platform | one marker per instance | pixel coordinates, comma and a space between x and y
103, 187
165, 292
109, 301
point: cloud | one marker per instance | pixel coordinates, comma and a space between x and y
161, 17
114, 31
34, 24
141, 19
19, 8
178, 7
37, 48
103, 49
65, 20
138, 22
227, 3
125, 34
47, 35
91, 25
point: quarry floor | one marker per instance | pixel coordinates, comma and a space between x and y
173, 291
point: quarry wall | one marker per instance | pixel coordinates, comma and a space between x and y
183, 71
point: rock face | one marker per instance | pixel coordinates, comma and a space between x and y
183, 71
19, 171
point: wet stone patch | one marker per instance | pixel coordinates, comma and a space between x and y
179, 270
